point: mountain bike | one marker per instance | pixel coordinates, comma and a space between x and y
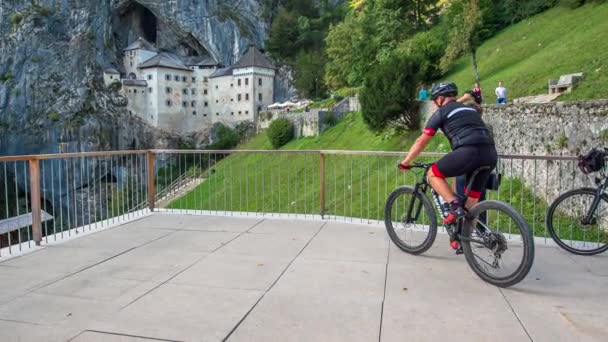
490, 244
578, 219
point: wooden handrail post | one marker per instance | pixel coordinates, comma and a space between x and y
151, 188
322, 184
35, 200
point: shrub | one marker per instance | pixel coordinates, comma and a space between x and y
225, 137
245, 130
53, 116
329, 119
280, 132
42, 11
6, 76
16, 18
115, 86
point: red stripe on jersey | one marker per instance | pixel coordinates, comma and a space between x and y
436, 172
429, 131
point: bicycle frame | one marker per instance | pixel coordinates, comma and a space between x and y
588, 219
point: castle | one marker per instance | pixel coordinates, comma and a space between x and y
187, 94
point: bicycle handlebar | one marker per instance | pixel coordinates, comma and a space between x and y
415, 165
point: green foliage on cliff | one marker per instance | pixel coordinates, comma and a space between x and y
297, 34
7, 76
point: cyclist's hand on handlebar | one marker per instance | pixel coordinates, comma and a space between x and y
404, 165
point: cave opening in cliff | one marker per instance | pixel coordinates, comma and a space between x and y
148, 24
133, 21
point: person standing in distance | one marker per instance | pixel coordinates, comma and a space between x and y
501, 94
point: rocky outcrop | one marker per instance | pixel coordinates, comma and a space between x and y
52, 57
54, 52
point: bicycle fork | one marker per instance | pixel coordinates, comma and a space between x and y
588, 219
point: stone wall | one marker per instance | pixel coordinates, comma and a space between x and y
560, 128
554, 129
307, 124
313, 122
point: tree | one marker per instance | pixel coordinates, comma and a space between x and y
465, 23
283, 36
309, 74
348, 54
388, 93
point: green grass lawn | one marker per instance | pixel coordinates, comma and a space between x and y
289, 183
526, 55
356, 186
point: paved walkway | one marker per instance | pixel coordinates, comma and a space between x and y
200, 278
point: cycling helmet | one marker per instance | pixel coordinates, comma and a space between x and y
447, 89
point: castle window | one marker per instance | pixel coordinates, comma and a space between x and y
205, 91
239, 82
217, 114
193, 91
247, 97
204, 114
216, 87
169, 103
247, 81
129, 90
231, 113
239, 97
168, 77
193, 79
260, 81
193, 103
184, 79
193, 112
260, 96
185, 104
149, 77
131, 63
206, 104
232, 84
246, 112
240, 112
217, 101
205, 79
150, 90
168, 90
111, 77
176, 78
185, 91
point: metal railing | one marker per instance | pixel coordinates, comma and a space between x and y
70, 193
46, 198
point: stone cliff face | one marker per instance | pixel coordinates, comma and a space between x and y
53, 52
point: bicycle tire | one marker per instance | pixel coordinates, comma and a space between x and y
528, 241
430, 211
553, 233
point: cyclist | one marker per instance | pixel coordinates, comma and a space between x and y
472, 147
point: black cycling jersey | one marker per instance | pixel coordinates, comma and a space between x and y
461, 124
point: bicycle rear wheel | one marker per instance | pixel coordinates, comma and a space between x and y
499, 248
414, 234
565, 222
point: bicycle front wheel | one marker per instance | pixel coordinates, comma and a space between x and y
498, 243
410, 220
565, 220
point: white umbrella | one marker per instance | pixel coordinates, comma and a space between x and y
274, 105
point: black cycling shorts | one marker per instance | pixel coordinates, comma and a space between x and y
464, 161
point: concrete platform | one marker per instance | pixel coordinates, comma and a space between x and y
175, 277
